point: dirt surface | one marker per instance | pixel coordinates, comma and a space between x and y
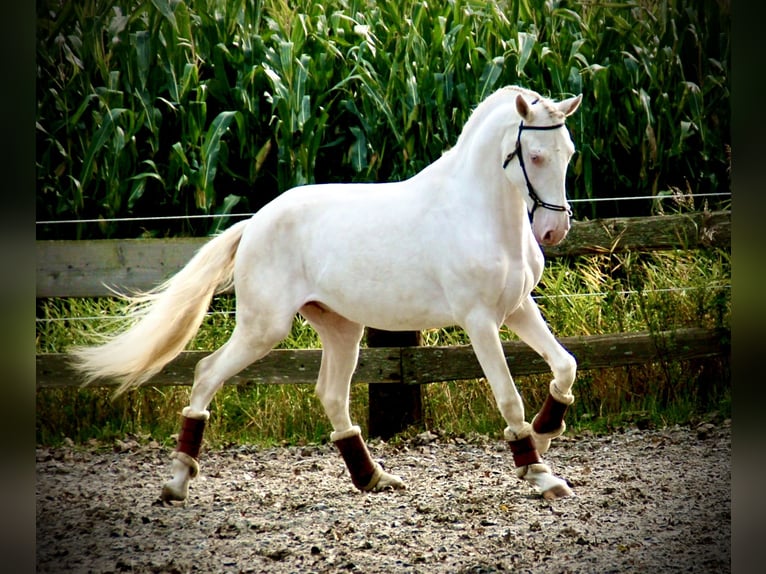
646, 501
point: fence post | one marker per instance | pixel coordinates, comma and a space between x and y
393, 406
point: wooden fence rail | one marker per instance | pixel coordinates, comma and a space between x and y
422, 365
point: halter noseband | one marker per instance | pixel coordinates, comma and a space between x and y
532, 194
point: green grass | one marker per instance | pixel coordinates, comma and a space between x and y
585, 296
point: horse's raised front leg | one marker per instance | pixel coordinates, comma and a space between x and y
210, 374
486, 343
529, 325
340, 351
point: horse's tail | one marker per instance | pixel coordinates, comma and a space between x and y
164, 319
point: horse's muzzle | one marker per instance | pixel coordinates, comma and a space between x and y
549, 227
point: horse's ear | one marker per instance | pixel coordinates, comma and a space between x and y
570, 105
522, 107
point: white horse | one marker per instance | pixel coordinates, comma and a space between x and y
453, 245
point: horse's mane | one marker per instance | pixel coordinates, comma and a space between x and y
504, 94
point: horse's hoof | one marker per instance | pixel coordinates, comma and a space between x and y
389, 482
540, 476
557, 491
172, 494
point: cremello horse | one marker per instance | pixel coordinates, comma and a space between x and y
453, 245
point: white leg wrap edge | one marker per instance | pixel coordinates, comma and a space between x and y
525, 431
553, 434
188, 461
192, 414
564, 398
340, 435
375, 478
536, 468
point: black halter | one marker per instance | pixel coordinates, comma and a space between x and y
517, 153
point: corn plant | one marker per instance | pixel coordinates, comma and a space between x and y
160, 107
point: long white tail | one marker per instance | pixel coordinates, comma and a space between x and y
164, 319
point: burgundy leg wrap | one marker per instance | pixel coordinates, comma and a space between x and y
190, 438
524, 452
550, 417
358, 460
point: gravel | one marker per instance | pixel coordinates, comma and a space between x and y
645, 501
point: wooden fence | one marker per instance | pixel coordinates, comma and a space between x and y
428, 364
84, 268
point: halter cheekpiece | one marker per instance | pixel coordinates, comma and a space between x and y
517, 153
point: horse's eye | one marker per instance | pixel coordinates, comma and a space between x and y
536, 158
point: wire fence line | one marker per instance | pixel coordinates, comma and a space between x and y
653, 197
225, 215
621, 292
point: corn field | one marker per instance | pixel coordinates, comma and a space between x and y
169, 108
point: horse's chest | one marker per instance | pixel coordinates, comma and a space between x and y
535, 264
523, 280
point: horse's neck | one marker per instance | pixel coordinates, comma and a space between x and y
478, 162
469, 179
479, 159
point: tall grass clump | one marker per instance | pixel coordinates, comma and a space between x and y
214, 107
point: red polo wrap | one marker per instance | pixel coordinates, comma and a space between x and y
524, 452
190, 438
358, 460
550, 417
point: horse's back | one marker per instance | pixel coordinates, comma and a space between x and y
364, 250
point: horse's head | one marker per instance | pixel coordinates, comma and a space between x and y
536, 158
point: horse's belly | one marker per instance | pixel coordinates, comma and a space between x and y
391, 305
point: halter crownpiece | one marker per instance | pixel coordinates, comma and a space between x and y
530, 189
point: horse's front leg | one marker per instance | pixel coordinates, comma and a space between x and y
529, 325
486, 343
340, 351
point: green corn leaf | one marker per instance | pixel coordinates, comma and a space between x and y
489, 77
358, 151
136, 191
261, 156
229, 203
304, 113
75, 118
101, 137
142, 50
164, 8
210, 153
189, 80
316, 133
526, 44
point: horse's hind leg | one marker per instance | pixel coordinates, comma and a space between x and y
340, 351
244, 347
529, 325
